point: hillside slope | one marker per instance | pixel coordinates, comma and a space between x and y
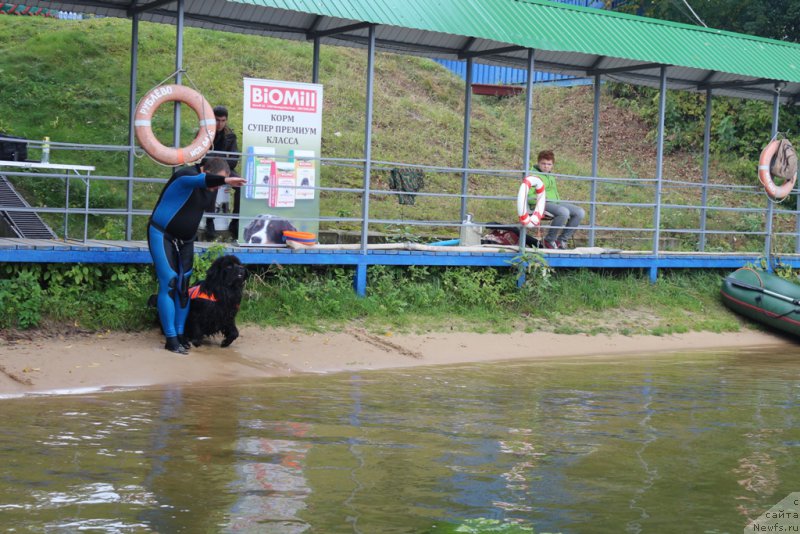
82, 97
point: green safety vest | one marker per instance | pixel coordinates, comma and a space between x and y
550, 189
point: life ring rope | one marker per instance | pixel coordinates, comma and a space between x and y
534, 218
152, 100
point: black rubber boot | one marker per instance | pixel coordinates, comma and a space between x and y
173, 345
185, 343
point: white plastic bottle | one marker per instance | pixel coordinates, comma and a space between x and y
46, 150
470, 232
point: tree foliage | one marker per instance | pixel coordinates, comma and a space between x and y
776, 19
739, 127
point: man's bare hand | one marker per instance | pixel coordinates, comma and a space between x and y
235, 181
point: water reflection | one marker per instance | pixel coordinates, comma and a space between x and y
270, 485
706, 441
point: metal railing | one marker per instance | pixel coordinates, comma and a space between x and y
694, 216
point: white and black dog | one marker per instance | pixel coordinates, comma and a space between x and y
267, 230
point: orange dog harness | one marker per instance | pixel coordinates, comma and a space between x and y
195, 293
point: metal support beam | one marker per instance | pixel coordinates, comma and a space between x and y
465, 145
493, 51
315, 24
710, 76
526, 141
340, 29
107, 252
681, 84
131, 135
597, 62
216, 20
662, 106
706, 152
176, 133
467, 45
135, 10
595, 150
426, 50
368, 140
776, 107
315, 62
630, 68
360, 282
734, 83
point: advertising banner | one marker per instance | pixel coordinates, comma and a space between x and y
282, 139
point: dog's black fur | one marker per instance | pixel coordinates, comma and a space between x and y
225, 281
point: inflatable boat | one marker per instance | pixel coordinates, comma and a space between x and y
764, 297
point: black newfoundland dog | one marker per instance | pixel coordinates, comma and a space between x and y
215, 301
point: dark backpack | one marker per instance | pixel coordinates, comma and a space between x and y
11, 150
784, 163
507, 235
500, 236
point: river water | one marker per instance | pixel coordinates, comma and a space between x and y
655, 443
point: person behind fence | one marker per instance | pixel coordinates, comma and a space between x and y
224, 141
566, 217
171, 232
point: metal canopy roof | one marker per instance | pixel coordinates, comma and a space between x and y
566, 39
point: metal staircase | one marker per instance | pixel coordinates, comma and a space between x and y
25, 224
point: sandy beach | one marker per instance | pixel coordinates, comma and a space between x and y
68, 364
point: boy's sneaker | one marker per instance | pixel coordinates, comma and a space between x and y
552, 245
562, 244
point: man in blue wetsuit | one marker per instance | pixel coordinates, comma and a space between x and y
170, 236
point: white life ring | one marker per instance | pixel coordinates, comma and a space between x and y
765, 176
142, 124
531, 220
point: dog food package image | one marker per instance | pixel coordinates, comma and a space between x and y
306, 173
282, 194
267, 230
261, 172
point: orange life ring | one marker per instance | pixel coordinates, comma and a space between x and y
765, 177
142, 124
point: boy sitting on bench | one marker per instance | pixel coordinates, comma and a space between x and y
566, 217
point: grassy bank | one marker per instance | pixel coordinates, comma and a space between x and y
415, 299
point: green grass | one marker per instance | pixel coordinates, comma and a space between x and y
415, 299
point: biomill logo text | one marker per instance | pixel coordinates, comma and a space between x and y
283, 98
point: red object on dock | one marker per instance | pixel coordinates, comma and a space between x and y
496, 90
